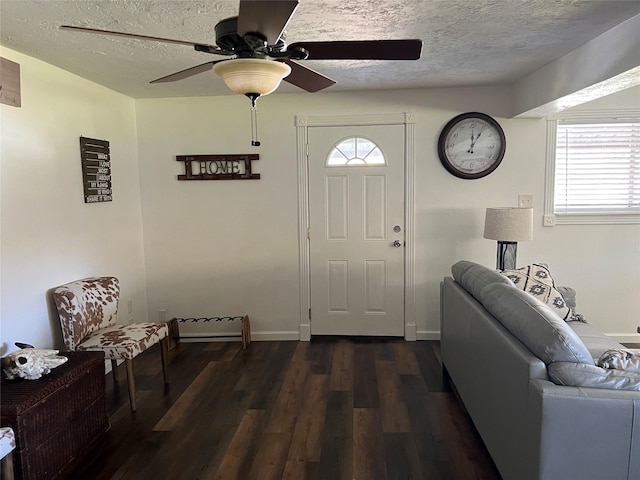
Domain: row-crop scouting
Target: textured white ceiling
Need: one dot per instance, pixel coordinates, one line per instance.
(466, 43)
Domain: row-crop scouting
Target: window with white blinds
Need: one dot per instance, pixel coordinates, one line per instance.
(597, 168)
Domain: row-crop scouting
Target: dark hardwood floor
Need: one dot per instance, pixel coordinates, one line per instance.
(354, 409)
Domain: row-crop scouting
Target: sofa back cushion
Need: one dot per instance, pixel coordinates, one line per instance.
(474, 277)
(535, 324)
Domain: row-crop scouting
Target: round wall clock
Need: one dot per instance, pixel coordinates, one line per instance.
(471, 145)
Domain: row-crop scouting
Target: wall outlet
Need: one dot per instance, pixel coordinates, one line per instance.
(130, 306)
(548, 221)
(525, 200)
(162, 316)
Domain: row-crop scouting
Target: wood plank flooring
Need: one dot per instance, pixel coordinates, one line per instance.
(330, 409)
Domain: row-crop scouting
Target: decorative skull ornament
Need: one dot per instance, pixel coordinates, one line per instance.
(31, 363)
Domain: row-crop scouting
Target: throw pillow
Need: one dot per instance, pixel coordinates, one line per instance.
(536, 280)
(621, 359)
(569, 295)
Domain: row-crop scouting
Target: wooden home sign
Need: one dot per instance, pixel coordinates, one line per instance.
(218, 167)
(96, 170)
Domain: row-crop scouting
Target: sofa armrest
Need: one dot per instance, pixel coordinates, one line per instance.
(584, 433)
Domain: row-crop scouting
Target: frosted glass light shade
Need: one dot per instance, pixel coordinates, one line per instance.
(252, 75)
(509, 224)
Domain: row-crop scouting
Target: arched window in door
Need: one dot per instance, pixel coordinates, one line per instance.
(355, 151)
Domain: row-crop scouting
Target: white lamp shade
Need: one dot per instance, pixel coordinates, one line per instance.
(252, 75)
(509, 224)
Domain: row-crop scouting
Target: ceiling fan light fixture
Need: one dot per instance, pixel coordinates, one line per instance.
(252, 75)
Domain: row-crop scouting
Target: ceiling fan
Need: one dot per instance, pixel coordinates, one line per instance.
(260, 58)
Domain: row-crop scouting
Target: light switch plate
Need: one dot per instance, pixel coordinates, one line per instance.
(525, 200)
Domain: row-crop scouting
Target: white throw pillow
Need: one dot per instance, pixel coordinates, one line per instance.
(620, 359)
(536, 280)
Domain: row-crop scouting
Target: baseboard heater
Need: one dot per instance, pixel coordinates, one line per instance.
(214, 327)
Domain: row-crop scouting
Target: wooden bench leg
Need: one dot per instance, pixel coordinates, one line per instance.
(131, 382)
(245, 331)
(164, 348)
(7, 466)
(114, 370)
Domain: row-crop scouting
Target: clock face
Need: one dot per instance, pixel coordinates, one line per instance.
(471, 145)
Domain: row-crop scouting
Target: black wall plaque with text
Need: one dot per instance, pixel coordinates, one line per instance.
(96, 170)
(10, 83)
(218, 167)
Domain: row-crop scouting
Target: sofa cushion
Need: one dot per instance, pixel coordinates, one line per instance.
(473, 277)
(535, 324)
(584, 375)
(596, 342)
(536, 280)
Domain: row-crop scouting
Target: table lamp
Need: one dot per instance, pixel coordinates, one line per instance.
(508, 225)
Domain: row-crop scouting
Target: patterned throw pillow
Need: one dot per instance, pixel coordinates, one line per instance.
(536, 280)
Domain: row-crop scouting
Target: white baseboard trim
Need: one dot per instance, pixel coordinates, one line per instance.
(419, 335)
(618, 337)
(274, 336)
(625, 337)
(255, 337)
(428, 335)
(305, 332)
(410, 332)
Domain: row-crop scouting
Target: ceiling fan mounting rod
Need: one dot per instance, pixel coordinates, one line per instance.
(254, 119)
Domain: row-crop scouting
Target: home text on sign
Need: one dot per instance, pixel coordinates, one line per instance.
(218, 167)
(96, 170)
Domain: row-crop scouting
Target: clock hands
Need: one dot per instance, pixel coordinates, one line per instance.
(474, 140)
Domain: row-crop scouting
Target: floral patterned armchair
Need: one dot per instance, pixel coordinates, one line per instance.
(88, 311)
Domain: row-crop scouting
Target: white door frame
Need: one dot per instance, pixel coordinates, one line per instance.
(302, 123)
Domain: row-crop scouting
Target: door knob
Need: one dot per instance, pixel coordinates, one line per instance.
(397, 244)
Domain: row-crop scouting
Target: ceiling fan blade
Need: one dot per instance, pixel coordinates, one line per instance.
(305, 78)
(186, 73)
(268, 17)
(209, 48)
(363, 50)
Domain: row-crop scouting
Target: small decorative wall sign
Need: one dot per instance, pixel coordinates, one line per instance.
(10, 83)
(96, 170)
(218, 167)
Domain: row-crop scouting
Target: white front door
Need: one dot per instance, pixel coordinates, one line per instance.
(356, 218)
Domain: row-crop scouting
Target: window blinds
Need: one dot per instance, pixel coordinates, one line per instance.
(597, 168)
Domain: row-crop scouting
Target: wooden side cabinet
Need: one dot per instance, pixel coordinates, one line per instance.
(57, 418)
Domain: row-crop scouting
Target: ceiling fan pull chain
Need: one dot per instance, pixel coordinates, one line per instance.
(254, 119)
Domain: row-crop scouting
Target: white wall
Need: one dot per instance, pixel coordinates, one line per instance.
(225, 248)
(49, 235)
(229, 247)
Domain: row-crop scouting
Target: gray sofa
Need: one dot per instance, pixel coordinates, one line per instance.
(501, 348)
